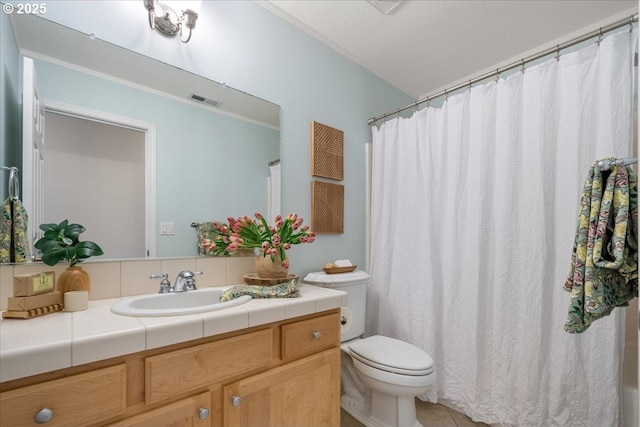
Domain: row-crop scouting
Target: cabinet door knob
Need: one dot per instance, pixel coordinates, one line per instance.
(203, 413)
(316, 335)
(43, 416)
(236, 400)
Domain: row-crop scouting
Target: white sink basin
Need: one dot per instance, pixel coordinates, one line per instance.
(174, 304)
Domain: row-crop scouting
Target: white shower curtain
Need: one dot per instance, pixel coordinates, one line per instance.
(473, 218)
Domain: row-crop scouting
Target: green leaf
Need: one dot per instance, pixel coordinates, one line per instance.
(53, 255)
(87, 249)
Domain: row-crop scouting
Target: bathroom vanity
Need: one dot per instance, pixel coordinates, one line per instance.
(264, 363)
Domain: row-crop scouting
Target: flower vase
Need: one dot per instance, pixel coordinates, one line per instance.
(74, 279)
(268, 269)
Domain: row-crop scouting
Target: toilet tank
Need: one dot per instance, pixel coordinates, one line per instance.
(355, 285)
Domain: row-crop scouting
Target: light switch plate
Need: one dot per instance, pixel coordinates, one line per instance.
(167, 228)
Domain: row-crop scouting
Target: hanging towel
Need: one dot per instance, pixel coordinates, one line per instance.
(604, 264)
(14, 243)
(283, 290)
(205, 232)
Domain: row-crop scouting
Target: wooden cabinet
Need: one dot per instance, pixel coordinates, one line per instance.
(298, 394)
(281, 374)
(190, 412)
(169, 374)
(78, 400)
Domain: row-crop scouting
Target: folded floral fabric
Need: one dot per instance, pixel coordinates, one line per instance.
(604, 264)
(283, 290)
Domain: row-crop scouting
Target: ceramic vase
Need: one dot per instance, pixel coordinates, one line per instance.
(74, 279)
(268, 269)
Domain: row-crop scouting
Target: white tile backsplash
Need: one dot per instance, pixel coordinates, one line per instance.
(114, 279)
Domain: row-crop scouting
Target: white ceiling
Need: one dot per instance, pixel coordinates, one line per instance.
(422, 47)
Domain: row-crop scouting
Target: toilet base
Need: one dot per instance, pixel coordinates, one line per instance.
(385, 411)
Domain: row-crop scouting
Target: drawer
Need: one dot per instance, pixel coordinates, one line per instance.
(310, 336)
(180, 371)
(78, 400)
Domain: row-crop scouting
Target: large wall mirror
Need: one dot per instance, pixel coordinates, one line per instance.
(138, 147)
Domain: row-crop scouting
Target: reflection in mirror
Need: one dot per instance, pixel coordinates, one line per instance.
(150, 138)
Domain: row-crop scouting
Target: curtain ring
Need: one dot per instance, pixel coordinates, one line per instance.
(522, 65)
(14, 183)
(446, 95)
(599, 36)
(557, 52)
(497, 75)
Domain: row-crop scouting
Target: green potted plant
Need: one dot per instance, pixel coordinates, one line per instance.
(62, 242)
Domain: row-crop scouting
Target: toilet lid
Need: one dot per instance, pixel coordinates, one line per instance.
(392, 355)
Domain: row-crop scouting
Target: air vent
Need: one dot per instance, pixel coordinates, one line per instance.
(204, 100)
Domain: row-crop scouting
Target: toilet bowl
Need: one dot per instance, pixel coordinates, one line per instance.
(391, 373)
(380, 376)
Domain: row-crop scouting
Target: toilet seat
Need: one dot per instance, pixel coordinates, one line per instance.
(391, 355)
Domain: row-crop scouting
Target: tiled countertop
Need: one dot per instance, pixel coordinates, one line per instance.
(61, 340)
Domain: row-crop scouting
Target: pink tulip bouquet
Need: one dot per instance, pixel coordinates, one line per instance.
(247, 233)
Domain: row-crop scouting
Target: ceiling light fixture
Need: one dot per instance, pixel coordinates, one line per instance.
(173, 17)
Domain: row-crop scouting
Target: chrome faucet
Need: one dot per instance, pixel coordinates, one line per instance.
(165, 285)
(185, 281)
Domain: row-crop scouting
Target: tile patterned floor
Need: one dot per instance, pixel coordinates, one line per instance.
(428, 414)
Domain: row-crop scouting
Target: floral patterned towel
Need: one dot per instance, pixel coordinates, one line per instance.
(14, 243)
(604, 263)
(283, 290)
(205, 232)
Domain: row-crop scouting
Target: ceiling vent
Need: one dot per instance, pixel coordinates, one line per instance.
(204, 100)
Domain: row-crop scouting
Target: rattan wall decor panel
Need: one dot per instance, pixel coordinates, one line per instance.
(327, 151)
(327, 207)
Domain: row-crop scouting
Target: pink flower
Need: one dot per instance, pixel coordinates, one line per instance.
(258, 215)
(286, 246)
(285, 263)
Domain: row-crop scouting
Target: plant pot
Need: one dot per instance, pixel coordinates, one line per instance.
(270, 269)
(74, 279)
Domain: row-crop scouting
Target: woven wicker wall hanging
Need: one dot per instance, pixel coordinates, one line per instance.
(327, 151)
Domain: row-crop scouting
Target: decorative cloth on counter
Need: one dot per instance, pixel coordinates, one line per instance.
(14, 243)
(604, 264)
(283, 290)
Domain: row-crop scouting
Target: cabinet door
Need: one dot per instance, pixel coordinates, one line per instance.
(78, 400)
(190, 412)
(302, 393)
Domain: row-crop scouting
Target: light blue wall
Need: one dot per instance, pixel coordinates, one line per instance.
(197, 178)
(251, 49)
(10, 104)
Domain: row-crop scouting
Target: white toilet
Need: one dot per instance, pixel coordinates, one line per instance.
(380, 376)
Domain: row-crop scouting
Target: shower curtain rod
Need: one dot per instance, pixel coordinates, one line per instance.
(521, 63)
